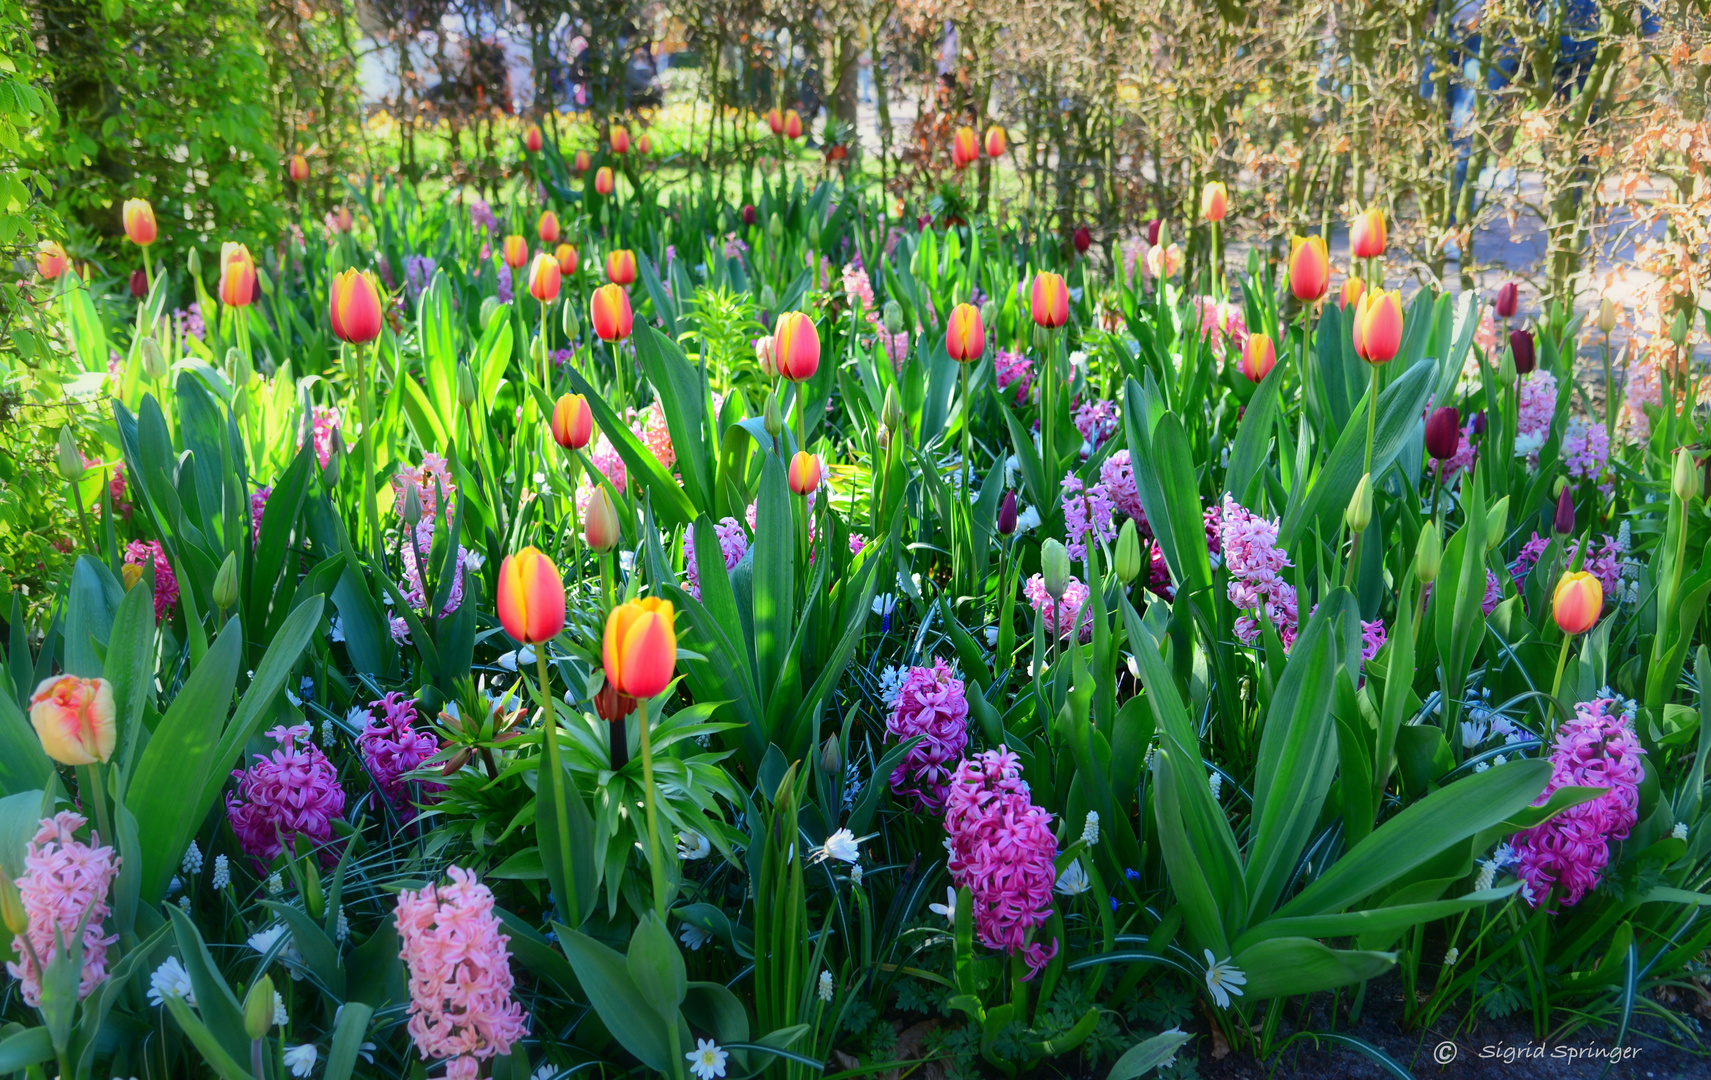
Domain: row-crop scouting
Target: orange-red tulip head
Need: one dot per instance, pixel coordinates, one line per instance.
(1367, 234)
(1050, 300)
(639, 650)
(532, 139)
(965, 336)
(1214, 201)
(583, 161)
(644, 144)
(566, 256)
(792, 124)
(299, 168)
(353, 307)
(603, 180)
(1577, 602)
(140, 226)
(573, 422)
(1377, 329)
(775, 121)
(796, 346)
(621, 266)
(516, 252)
(1352, 289)
(75, 719)
(548, 228)
(1309, 268)
(965, 151)
(237, 275)
(531, 597)
(609, 311)
(51, 260)
(995, 141)
(620, 141)
(805, 472)
(1259, 356)
(544, 278)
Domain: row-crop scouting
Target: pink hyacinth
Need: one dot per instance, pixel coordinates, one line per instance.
(1585, 449)
(1086, 512)
(392, 747)
(611, 465)
(733, 545)
(932, 704)
(64, 879)
(1536, 408)
(1256, 564)
(432, 480)
(1014, 369)
(1596, 748)
(1644, 386)
(649, 426)
(415, 556)
(460, 974)
(116, 492)
(1493, 592)
(1118, 476)
(295, 791)
(1002, 849)
(1070, 615)
(138, 553)
(858, 288)
(1096, 420)
(324, 423)
(258, 505)
(1223, 323)
(1372, 638)
(1158, 572)
(857, 542)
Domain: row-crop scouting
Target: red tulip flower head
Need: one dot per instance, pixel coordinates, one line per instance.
(516, 252)
(609, 311)
(237, 275)
(50, 260)
(621, 266)
(1309, 268)
(548, 227)
(644, 144)
(531, 597)
(620, 140)
(1577, 602)
(299, 168)
(1367, 234)
(1508, 299)
(796, 344)
(1214, 201)
(994, 141)
(964, 149)
(566, 255)
(1377, 327)
(603, 180)
(583, 162)
(805, 472)
(140, 227)
(1443, 433)
(965, 337)
(1050, 300)
(573, 422)
(792, 124)
(639, 651)
(1259, 356)
(1352, 288)
(353, 307)
(1083, 239)
(532, 138)
(544, 278)
(775, 121)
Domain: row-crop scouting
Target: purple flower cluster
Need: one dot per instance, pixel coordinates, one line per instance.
(1585, 449)
(418, 271)
(1086, 512)
(1096, 420)
(258, 506)
(1118, 476)
(189, 321)
(1014, 369)
(733, 545)
(1604, 562)
(1596, 748)
(1536, 408)
(1002, 849)
(932, 704)
(1256, 564)
(481, 216)
(504, 290)
(138, 553)
(295, 791)
(392, 747)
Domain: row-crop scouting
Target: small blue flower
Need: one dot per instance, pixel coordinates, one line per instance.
(1113, 903)
(1132, 874)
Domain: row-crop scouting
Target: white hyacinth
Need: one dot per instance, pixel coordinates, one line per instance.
(222, 873)
(1090, 830)
(192, 864)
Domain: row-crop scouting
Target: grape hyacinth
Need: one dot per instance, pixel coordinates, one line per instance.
(293, 792)
(138, 553)
(392, 747)
(931, 703)
(1002, 849)
(733, 545)
(63, 881)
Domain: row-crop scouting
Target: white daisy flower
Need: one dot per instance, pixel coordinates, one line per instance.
(170, 980)
(1223, 978)
(706, 1061)
(1073, 881)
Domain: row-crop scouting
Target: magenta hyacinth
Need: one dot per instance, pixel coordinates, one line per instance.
(1070, 615)
(460, 974)
(258, 506)
(295, 791)
(64, 879)
(733, 545)
(138, 553)
(931, 703)
(392, 747)
(1013, 369)
(1097, 421)
(324, 424)
(1002, 848)
(1596, 748)
(1086, 512)
(1118, 476)
(1256, 564)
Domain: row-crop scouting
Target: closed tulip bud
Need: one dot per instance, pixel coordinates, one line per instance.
(258, 1009)
(566, 256)
(226, 581)
(532, 139)
(1214, 201)
(775, 226)
(68, 459)
(1352, 289)
(1007, 514)
(353, 307)
(609, 311)
(263, 281)
(797, 344)
(995, 141)
(411, 510)
(1508, 298)
(1156, 231)
(601, 528)
(489, 308)
(465, 385)
(1606, 315)
(620, 139)
(644, 144)
(571, 323)
(1496, 522)
(1577, 602)
(773, 416)
(1521, 348)
(1049, 301)
(965, 336)
(805, 472)
(544, 278)
(238, 368)
(1506, 373)
(154, 361)
(891, 412)
(832, 758)
(299, 168)
(1128, 552)
(814, 231)
(603, 180)
(1563, 521)
(573, 422)
(767, 356)
(1309, 268)
(1367, 234)
(530, 598)
(621, 266)
(1054, 568)
(583, 162)
(547, 229)
(1678, 329)
(1429, 554)
(792, 124)
(130, 574)
(893, 317)
(516, 252)
(1377, 329)
(237, 275)
(1684, 479)
(139, 284)
(139, 221)
(1443, 433)
(1082, 238)
(988, 313)
(1259, 356)
(75, 719)
(1358, 515)
(639, 648)
(767, 298)
(748, 214)
(193, 262)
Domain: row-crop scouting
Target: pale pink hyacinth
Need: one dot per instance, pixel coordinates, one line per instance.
(1070, 615)
(415, 556)
(1002, 849)
(1096, 420)
(1595, 748)
(138, 553)
(1537, 407)
(1644, 386)
(258, 506)
(933, 704)
(1485, 336)
(1086, 512)
(1493, 593)
(605, 458)
(293, 792)
(324, 422)
(1585, 449)
(1013, 369)
(649, 426)
(1223, 323)
(1256, 563)
(858, 287)
(1118, 475)
(460, 974)
(392, 747)
(432, 479)
(1134, 251)
(733, 545)
(64, 879)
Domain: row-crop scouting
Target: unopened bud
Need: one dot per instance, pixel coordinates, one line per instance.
(1496, 522)
(989, 314)
(775, 226)
(465, 386)
(1007, 514)
(263, 282)
(226, 582)
(314, 896)
(411, 511)
(193, 263)
(893, 317)
(258, 1009)
(12, 911)
(1606, 315)
(1506, 374)
(571, 322)
(69, 459)
(130, 574)
(1429, 554)
(832, 757)
(814, 230)
(1685, 480)
(768, 298)
(1128, 552)
(601, 528)
(1359, 513)
(1562, 523)
(154, 361)
(1054, 568)
(773, 417)
(1678, 329)
(238, 368)
(891, 413)
(488, 307)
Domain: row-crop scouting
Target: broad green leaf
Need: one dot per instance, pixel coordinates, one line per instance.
(1286, 966)
(1150, 1054)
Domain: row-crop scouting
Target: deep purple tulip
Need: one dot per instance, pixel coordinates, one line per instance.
(139, 284)
(1564, 520)
(1521, 345)
(1153, 228)
(1443, 432)
(1007, 514)
(748, 214)
(1508, 295)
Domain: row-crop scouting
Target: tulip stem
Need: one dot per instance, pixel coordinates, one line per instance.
(98, 795)
(1562, 661)
(1371, 420)
(148, 276)
(656, 867)
(967, 478)
(570, 906)
(370, 507)
(82, 514)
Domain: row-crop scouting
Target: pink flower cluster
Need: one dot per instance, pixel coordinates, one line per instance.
(1604, 563)
(295, 791)
(932, 704)
(258, 505)
(392, 747)
(431, 479)
(460, 974)
(1596, 748)
(1256, 564)
(1222, 322)
(64, 879)
(896, 345)
(1014, 369)
(1002, 849)
(650, 427)
(1644, 387)
(1086, 512)
(138, 553)
(733, 545)
(1585, 449)
(1069, 615)
(1118, 476)
(415, 555)
(603, 456)
(116, 492)
(858, 287)
(324, 423)
(1536, 409)
(1372, 638)
(1096, 420)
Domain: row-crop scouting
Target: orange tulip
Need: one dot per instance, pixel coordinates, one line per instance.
(965, 336)
(621, 266)
(1309, 268)
(805, 472)
(775, 121)
(299, 168)
(573, 422)
(1377, 330)
(603, 180)
(609, 311)
(50, 259)
(964, 149)
(1352, 288)
(75, 719)
(1050, 300)
(620, 139)
(796, 344)
(994, 141)
(516, 252)
(139, 222)
(644, 144)
(531, 597)
(566, 255)
(544, 275)
(600, 525)
(532, 138)
(639, 652)
(1367, 234)
(353, 307)
(1577, 602)
(583, 161)
(1214, 201)
(1259, 356)
(792, 124)
(237, 275)
(548, 227)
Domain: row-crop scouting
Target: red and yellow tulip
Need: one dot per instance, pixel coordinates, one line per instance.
(140, 226)
(237, 275)
(530, 597)
(609, 311)
(75, 719)
(1377, 330)
(573, 422)
(621, 266)
(544, 277)
(353, 307)
(965, 336)
(1050, 300)
(796, 345)
(639, 652)
(1309, 268)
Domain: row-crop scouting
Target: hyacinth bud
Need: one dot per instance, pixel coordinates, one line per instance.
(1606, 315)
(775, 226)
(1128, 552)
(258, 1009)
(465, 385)
(1054, 568)
(1684, 481)
(154, 361)
(1429, 554)
(226, 581)
(1496, 522)
(68, 459)
(768, 298)
(412, 508)
(989, 314)
(1007, 514)
(1508, 297)
(1443, 433)
(1359, 513)
(1563, 521)
(893, 317)
(773, 416)
(571, 322)
(832, 756)
(193, 263)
